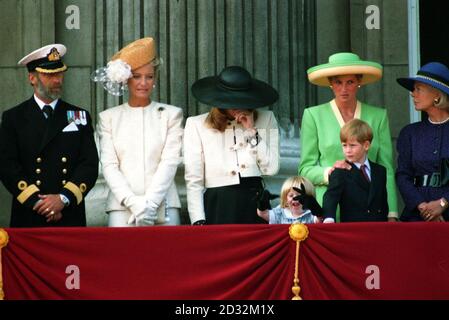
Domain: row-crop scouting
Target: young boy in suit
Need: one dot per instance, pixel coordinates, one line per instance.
(361, 192)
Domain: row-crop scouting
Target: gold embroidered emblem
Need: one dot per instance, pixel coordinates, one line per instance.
(53, 55)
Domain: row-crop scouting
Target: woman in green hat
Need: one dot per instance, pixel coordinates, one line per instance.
(321, 150)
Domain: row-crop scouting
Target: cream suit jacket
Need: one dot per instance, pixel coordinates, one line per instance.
(140, 150)
(215, 159)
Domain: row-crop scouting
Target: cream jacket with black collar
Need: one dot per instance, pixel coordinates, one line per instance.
(215, 159)
(140, 150)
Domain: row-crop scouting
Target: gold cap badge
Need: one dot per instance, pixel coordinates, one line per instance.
(54, 55)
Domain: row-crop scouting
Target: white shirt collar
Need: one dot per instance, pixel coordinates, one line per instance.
(41, 103)
(366, 163)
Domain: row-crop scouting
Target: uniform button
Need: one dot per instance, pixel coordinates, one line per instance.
(241, 144)
(63, 182)
(39, 160)
(64, 171)
(38, 170)
(233, 172)
(435, 152)
(369, 211)
(64, 159)
(254, 152)
(38, 182)
(243, 166)
(229, 123)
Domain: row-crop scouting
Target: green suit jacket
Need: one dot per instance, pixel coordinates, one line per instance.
(321, 146)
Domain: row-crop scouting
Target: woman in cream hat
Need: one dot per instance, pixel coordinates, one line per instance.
(140, 141)
(228, 149)
(321, 150)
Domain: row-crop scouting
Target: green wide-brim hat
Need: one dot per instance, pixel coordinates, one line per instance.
(345, 63)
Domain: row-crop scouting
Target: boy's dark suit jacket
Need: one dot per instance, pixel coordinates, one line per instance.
(359, 200)
(38, 157)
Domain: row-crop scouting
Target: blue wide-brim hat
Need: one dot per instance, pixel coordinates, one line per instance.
(434, 74)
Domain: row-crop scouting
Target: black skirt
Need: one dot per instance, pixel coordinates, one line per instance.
(233, 204)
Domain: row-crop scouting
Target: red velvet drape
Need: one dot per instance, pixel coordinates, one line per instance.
(229, 262)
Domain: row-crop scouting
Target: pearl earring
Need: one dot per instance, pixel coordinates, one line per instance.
(436, 100)
(359, 86)
(331, 87)
(154, 86)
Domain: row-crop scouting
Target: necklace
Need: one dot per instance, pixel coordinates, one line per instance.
(438, 122)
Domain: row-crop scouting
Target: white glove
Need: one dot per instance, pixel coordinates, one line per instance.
(137, 206)
(149, 216)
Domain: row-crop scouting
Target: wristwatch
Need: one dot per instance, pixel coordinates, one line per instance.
(443, 203)
(64, 200)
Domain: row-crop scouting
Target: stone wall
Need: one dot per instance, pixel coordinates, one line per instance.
(276, 40)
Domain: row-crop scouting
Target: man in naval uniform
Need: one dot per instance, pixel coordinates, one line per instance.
(48, 157)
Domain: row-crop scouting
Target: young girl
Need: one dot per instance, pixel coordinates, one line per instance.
(293, 208)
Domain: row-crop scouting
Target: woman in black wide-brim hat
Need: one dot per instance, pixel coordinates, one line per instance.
(423, 147)
(228, 149)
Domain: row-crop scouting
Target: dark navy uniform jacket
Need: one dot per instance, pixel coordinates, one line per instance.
(47, 156)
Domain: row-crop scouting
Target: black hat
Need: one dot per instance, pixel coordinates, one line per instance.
(46, 59)
(234, 88)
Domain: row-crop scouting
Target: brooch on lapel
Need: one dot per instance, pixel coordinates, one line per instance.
(160, 109)
(79, 117)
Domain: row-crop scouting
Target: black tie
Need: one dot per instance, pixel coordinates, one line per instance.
(48, 110)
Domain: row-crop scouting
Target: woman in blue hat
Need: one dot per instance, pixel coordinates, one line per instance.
(423, 147)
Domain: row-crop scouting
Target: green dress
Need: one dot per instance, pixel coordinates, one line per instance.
(321, 146)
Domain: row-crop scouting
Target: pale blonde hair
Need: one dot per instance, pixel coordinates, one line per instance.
(442, 101)
(295, 181)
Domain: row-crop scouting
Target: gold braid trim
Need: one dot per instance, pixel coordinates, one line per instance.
(298, 232)
(73, 188)
(3, 242)
(39, 69)
(26, 193)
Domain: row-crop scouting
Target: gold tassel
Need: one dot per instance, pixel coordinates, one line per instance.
(3, 242)
(298, 232)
